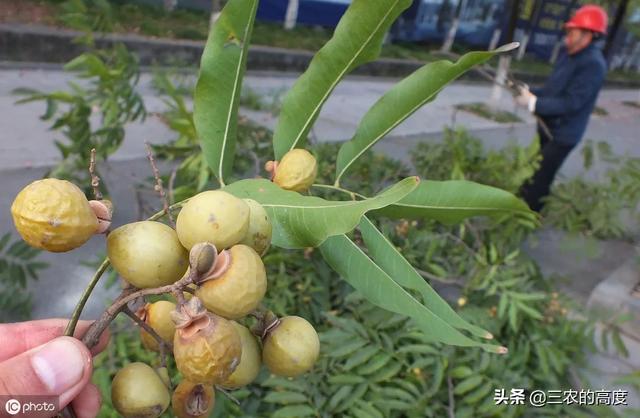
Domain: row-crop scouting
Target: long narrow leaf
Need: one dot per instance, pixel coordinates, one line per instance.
(454, 200)
(218, 88)
(403, 100)
(306, 221)
(398, 268)
(370, 280)
(356, 40)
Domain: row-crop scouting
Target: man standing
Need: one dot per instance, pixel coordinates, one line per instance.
(567, 99)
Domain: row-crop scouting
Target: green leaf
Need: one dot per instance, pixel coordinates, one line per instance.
(467, 385)
(461, 372)
(285, 397)
(357, 40)
(385, 254)
(376, 363)
(360, 357)
(386, 373)
(369, 410)
(454, 200)
(373, 283)
(306, 221)
(4, 240)
(348, 348)
(294, 411)
(403, 100)
(339, 396)
(219, 84)
(345, 379)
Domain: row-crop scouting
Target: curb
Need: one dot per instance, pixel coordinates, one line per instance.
(20, 44)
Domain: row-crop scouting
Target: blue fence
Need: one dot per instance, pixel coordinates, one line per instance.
(310, 12)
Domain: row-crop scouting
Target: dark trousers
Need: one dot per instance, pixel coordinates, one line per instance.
(538, 187)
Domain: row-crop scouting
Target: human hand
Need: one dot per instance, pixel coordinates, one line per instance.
(526, 98)
(36, 360)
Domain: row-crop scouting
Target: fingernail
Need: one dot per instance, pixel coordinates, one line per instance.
(59, 365)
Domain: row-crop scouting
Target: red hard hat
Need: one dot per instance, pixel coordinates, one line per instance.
(590, 17)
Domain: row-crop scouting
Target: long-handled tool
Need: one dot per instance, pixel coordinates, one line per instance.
(514, 86)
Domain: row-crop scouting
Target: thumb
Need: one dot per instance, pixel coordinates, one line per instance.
(61, 367)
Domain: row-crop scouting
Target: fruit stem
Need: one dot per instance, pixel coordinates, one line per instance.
(71, 326)
(96, 329)
(162, 344)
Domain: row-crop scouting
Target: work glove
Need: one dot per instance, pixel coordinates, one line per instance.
(525, 98)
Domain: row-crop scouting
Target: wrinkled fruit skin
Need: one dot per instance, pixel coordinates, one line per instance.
(250, 362)
(296, 171)
(240, 289)
(292, 348)
(53, 215)
(147, 254)
(213, 216)
(138, 392)
(189, 403)
(158, 317)
(211, 353)
(259, 233)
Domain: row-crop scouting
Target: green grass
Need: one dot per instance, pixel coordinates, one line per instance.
(485, 111)
(631, 104)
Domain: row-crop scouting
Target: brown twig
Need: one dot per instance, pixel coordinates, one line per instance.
(95, 180)
(158, 187)
(177, 293)
(164, 346)
(96, 329)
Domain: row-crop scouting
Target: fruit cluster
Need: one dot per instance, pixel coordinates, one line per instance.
(212, 264)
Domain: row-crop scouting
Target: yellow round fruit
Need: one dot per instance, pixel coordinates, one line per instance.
(138, 391)
(213, 216)
(208, 350)
(158, 316)
(53, 215)
(291, 348)
(193, 400)
(240, 289)
(250, 362)
(147, 254)
(259, 233)
(296, 171)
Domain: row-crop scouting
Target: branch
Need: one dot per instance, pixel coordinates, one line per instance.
(96, 329)
(158, 187)
(164, 346)
(95, 180)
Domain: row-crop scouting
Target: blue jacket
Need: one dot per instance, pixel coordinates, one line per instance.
(567, 99)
